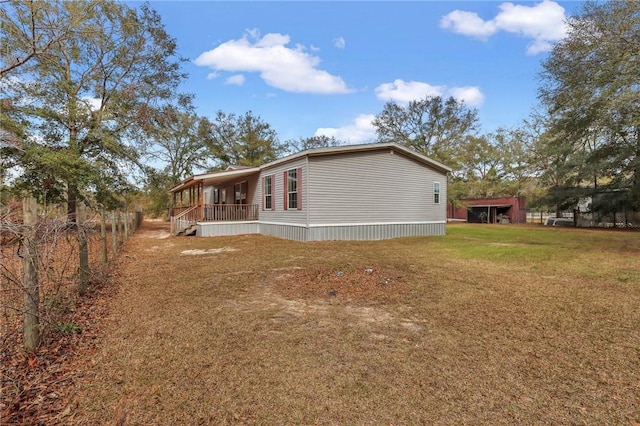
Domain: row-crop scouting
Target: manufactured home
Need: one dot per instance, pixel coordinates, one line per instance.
(354, 192)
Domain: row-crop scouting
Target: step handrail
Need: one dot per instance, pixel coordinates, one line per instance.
(179, 223)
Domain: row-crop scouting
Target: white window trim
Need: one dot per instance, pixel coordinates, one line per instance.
(270, 194)
(292, 192)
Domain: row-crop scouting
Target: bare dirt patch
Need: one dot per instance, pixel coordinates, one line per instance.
(350, 283)
(200, 252)
(158, 235)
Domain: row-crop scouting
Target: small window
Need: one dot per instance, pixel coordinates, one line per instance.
(436, 192)
(292, 189)
(216, 196)
(268, 192)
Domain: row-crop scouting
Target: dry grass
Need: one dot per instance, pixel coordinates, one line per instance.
(487, 325)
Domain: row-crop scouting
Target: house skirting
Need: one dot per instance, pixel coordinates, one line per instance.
(379, 231)
(221, 229)
(323, 232)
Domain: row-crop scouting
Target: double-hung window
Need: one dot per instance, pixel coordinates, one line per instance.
(436, 192)
(292, 189)
(267, 189)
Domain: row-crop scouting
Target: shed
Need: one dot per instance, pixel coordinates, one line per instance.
(489, 210)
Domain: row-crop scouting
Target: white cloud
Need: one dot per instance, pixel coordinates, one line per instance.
(406, 91)
(470, 95)
(253, 32)
(93, 104)
(339, 43)
(282, 67)
(543, 22)
(468, 23)
(212, 75)
(359, 131)
(236, 80)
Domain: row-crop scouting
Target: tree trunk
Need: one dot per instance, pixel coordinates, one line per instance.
(114, 234)
(103, 235)
(31, 325)
(72, 197)
(83, 249)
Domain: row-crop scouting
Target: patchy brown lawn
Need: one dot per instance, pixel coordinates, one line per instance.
(488, 325)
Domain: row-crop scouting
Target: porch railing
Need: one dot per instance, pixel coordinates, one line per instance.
(230, 212)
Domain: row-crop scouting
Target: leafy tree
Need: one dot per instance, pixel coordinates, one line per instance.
(34, 30)
(156, 191)
(321, 141)
(481, 167)
(492, 165)
(178, 139)
(591, 94)
(512, 148)
(84, 94)
(433, 126)
(243, 140)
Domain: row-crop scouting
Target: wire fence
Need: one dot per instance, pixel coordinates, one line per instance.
(624, 219)
(56, 257)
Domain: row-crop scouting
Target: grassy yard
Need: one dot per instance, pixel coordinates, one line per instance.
(487, 325)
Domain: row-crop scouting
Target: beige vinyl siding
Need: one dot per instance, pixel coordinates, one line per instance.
(208, 194)
(373, 187)
(253, 190)
(279, 214)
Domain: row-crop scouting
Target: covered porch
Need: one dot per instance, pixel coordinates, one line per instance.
(220, 197)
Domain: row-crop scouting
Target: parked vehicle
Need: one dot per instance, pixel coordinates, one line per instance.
(559, 221)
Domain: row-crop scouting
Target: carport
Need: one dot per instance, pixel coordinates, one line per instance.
(491, 213)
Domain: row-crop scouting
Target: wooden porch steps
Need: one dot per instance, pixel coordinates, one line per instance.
(189, 230)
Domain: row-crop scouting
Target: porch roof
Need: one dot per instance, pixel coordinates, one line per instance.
(214, 178)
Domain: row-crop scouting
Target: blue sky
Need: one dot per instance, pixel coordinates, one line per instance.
(310, 68)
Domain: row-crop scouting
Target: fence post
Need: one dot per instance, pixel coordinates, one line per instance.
(103, 235)
(83, 247)
(120, 241)
(126, 223)
(31, 324)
